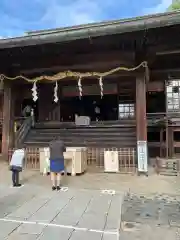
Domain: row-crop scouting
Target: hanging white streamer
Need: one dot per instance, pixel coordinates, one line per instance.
(80, 87)
(101, 86)
(34, 92)
(56, 93)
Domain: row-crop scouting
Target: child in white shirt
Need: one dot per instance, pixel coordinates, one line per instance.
(16, 165)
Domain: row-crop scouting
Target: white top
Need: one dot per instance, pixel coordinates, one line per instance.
(17, 158)
(97, 110)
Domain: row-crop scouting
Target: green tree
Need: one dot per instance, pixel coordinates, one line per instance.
(175, 5)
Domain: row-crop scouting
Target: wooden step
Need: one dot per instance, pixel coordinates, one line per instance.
(82, 144)
(80, 138)
(51, 124)
(80, 130)
(41, 135)
(84, 134)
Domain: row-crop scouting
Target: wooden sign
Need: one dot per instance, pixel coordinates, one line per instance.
(142, 156)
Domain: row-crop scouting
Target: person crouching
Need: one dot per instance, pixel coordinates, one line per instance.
(57, 149)
(16, 165)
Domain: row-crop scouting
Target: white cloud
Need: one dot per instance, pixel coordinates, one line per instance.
(17, 18)
(159, 8)
(52, 14)
(77, 12)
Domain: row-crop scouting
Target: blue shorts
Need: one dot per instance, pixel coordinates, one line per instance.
(57, 165)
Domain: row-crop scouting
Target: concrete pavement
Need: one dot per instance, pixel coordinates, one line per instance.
(150, 209)
(33, 212)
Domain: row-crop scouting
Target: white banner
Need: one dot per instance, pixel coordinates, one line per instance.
(142, 156)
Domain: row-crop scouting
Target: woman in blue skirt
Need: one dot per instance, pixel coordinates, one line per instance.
(57, 149)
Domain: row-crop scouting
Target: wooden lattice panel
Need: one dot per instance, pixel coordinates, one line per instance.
(169, 167)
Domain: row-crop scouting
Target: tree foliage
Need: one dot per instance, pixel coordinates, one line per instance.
(175, 5)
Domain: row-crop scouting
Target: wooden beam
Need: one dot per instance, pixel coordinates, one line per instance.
(164, 74)
(168, 52)
(44, 60)
(155, 86)
(167, 70)
(162, 47)
(65, 57)
(94, 66)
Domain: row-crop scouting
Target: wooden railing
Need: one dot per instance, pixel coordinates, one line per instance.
(95, 158)
(23, 130)
(31, 160)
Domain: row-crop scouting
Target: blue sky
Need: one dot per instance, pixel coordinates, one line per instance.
(19, 16)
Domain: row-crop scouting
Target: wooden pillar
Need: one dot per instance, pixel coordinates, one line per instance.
(170, 141)
(46, 98)
(7, 128)
(141, 123)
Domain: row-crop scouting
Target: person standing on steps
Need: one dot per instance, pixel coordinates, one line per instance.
(57, 149)
(27, 111)
(97, 112)
(16, 165)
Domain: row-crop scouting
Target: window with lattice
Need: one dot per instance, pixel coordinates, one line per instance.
(173, 96)
(126, 110)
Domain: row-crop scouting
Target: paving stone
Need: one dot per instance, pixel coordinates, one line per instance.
(12, 202)
(114, 214)
(35, 229)
(6, 228)
(67, 219)
(112, 224)
(29, 208)
(87, 209)
(92, 221)
(99, 204)
(6, 191)
(17, 236)
(77, 205)
(49, 211)
(96, 215)
(71, 214)
(55, 233)
(110, 237)
(46, 214)
(77, 235)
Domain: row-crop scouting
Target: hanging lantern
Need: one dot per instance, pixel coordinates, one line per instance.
(101, 86)
(34, 92)
(56, 93)
(80, 87)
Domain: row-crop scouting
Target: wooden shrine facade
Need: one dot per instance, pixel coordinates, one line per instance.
(142, 91)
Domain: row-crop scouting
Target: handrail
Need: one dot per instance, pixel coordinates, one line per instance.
(23, 130)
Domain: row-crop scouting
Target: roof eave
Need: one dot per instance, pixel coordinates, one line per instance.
(94, 30)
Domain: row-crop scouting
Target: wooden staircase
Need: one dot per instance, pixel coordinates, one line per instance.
(120, 135)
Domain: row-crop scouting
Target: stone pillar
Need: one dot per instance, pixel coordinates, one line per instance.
(141, 123)
(7, 127)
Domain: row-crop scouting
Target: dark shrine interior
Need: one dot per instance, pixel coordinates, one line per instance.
(108, 107)
(155, 102)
